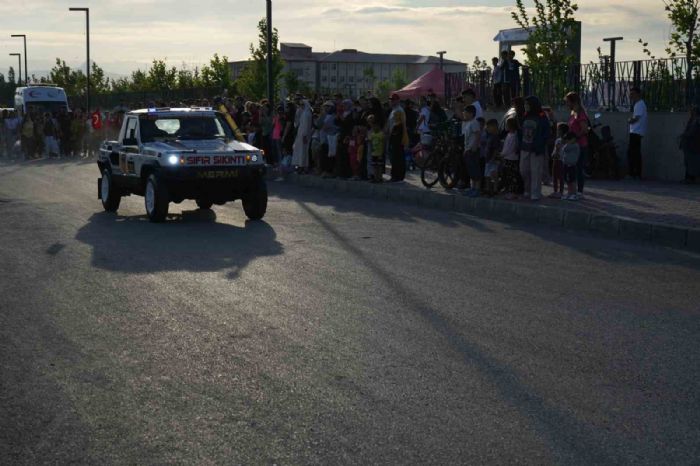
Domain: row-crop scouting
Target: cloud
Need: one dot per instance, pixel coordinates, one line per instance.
(126, 32)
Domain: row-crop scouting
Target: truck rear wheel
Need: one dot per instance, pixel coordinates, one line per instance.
(156, 199)
(255, 201)
(109, 193)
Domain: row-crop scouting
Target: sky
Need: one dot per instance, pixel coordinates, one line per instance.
(129, 34)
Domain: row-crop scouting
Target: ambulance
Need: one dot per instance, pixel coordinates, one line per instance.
(40, 97)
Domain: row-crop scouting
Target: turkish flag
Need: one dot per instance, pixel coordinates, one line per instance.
(97, 120)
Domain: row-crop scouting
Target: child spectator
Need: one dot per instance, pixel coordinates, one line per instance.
(511, 159)
(491, 157)
(472, 142)
(570, 153)
(557, 164)
(376, 144)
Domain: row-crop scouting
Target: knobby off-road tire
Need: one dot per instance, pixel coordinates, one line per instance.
(111, 197)
(255, 201)
(156, 199)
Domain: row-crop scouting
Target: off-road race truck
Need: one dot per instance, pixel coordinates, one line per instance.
(169, 155)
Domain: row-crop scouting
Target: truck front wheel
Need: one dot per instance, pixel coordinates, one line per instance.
(109, 193)
(255, 201)
(156, 199)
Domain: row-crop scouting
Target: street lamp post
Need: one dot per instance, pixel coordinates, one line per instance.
(87, 35)
(270, 84)
(26, 68)
(19, 63)
(612, 84)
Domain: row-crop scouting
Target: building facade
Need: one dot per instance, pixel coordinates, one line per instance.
(350, 71)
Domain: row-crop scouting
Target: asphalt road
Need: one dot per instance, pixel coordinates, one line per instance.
(338, 331)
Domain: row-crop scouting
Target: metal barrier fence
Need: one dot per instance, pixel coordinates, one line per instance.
(600, 85)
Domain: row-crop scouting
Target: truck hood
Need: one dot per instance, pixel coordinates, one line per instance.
(207, 145)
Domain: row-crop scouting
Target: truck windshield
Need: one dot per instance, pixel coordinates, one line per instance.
(185, 127)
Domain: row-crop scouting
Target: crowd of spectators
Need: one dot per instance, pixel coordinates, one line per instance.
(358, 138)
(39, 133)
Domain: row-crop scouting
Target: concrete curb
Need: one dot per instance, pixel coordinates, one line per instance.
(498, 209)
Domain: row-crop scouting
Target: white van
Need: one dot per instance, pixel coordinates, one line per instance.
(42, 98)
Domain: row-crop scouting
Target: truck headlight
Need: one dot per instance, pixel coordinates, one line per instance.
(254, 158)
(173, 159)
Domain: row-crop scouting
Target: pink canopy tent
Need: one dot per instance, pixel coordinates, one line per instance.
(433, 80)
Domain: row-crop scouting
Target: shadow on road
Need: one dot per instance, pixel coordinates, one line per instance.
(191, 241)
(387, 210)
(572, 440)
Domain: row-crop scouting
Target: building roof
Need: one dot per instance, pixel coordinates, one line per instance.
(295, 45)
(354, 56)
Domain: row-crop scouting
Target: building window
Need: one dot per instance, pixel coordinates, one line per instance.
(324, 66)
(334, 67)
(332, 79)
(351, 79)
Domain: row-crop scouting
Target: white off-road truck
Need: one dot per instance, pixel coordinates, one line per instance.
(169, 155)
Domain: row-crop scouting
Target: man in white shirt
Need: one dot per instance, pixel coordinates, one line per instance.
(469, 97)
(638, 129)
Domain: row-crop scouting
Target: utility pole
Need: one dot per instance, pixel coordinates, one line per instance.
(87, 34)
(270, 84)
(19, 63)
(613, 78)
(26, 68)
(442, 60)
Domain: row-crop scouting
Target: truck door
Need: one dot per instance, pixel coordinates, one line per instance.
(130, 147)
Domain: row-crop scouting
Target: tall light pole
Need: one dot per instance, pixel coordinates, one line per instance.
(26, 68)
(270, 84)
(87, 35)
(613, 78)
(19, 62)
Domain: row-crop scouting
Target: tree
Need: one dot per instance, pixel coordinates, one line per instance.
(99, 84)
(684, 36)
(7, 89)
(11, 75)
(121, 85)
(291, 82)
(139, 81)
(217, 73)
(551, 27)
(160, 77)
(188, 79)
(73, 81)
(253, 79)
(398, 79)
(480, 65)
